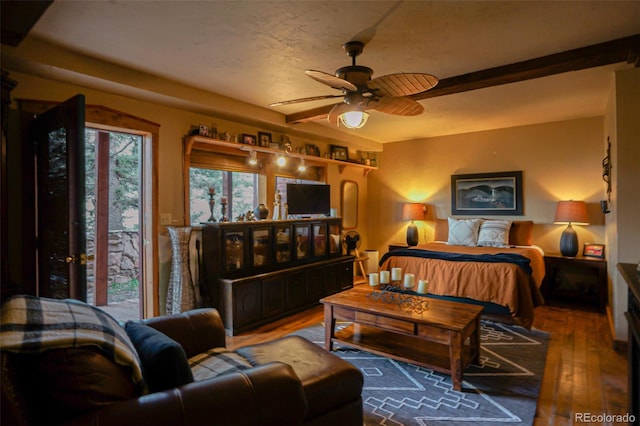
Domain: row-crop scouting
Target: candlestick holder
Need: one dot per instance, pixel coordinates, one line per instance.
(223, 208)
(212, 203)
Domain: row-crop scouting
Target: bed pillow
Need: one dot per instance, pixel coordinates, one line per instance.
(521, 233)
(442, 230)
(494, 233)
(463, 232)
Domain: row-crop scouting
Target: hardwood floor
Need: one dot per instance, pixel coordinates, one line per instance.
(583, 373)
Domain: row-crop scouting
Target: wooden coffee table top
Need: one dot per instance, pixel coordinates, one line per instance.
(449, 315)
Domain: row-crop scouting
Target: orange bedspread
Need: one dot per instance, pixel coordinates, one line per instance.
(504, 284)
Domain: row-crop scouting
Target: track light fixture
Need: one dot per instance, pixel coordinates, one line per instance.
(253, 158)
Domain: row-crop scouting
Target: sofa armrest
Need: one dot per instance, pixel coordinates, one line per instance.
(269, 394)
(196, 331)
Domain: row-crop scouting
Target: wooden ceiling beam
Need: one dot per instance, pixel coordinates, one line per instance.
(309, 114)
(18, 17)
(611, 52)
(625, 49)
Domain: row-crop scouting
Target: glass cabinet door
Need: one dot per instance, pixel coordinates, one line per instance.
(334, 238)
(234, 250)
(261, 247)
(320, 239)
(302, 241)
(283, 244)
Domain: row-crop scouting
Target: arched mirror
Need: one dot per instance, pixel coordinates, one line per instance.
(349, 204)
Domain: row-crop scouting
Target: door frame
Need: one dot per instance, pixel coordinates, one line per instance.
(101, 117)
(149, 297)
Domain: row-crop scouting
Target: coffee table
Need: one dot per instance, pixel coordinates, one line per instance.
(445, 337)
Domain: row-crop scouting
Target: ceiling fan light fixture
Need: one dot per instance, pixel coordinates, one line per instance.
(354, 119)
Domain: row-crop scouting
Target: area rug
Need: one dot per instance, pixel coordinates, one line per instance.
(504, 388)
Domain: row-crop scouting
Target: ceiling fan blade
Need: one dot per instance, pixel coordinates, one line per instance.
(310, 98)
(396, 105)
(334, 114)
(331, 80)
(403, 84)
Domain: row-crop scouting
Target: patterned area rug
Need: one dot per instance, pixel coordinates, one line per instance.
(503, 389)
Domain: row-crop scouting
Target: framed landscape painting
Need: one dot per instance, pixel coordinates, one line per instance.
(487, 193)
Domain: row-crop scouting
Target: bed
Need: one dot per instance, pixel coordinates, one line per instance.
(502, 272)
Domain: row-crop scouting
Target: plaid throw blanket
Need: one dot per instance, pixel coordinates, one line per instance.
(35, 324)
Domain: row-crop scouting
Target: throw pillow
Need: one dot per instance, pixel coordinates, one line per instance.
(442, 230)
(463, 232)
(521, 233)
(164, 361)
(494, 233)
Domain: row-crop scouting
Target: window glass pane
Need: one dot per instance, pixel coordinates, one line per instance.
(245, 193)
(241, 190)
(200, 180)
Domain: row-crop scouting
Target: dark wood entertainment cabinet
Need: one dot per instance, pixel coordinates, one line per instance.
(256, 272)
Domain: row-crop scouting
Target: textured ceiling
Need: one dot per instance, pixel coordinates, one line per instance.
(257, 51)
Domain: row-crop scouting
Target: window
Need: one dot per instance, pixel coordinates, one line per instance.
(240, 189)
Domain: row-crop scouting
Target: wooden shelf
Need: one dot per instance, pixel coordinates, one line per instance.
(210, 144)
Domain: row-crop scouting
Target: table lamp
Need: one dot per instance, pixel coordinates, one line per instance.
(413, 211)
(570, 212)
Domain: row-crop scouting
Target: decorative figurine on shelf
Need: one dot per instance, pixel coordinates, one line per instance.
(276, 206)
(240, 218)
(223, 204)
(285, 211)
(212, 202)
(249, 216)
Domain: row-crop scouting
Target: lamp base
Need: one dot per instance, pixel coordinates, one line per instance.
(412, 235)
(569, 242)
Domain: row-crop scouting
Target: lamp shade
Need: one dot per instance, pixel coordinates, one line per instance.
(572, 212)
(413, 211)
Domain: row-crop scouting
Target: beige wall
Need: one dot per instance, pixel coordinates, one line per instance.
(623, 225)
(559, 161)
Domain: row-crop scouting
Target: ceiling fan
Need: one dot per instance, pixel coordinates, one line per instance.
(360, 92)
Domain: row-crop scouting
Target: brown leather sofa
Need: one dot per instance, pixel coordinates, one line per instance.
(290, 381)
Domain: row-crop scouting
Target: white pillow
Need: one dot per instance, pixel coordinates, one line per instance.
(463, 232)
(494, 233)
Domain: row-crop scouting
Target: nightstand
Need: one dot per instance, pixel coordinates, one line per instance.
(396, 246)
(561, 270)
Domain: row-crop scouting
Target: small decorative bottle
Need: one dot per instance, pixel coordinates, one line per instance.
(261, 212)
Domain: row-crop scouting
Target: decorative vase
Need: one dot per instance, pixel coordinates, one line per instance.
(181, 295)
(262, 212)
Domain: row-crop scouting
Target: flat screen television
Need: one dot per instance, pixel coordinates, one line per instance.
(308, 199)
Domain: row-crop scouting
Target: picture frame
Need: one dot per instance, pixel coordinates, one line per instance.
(339, 152)
(248, 139)
(593, 250)
(312, 149)
(498, 193)
(264, 139)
